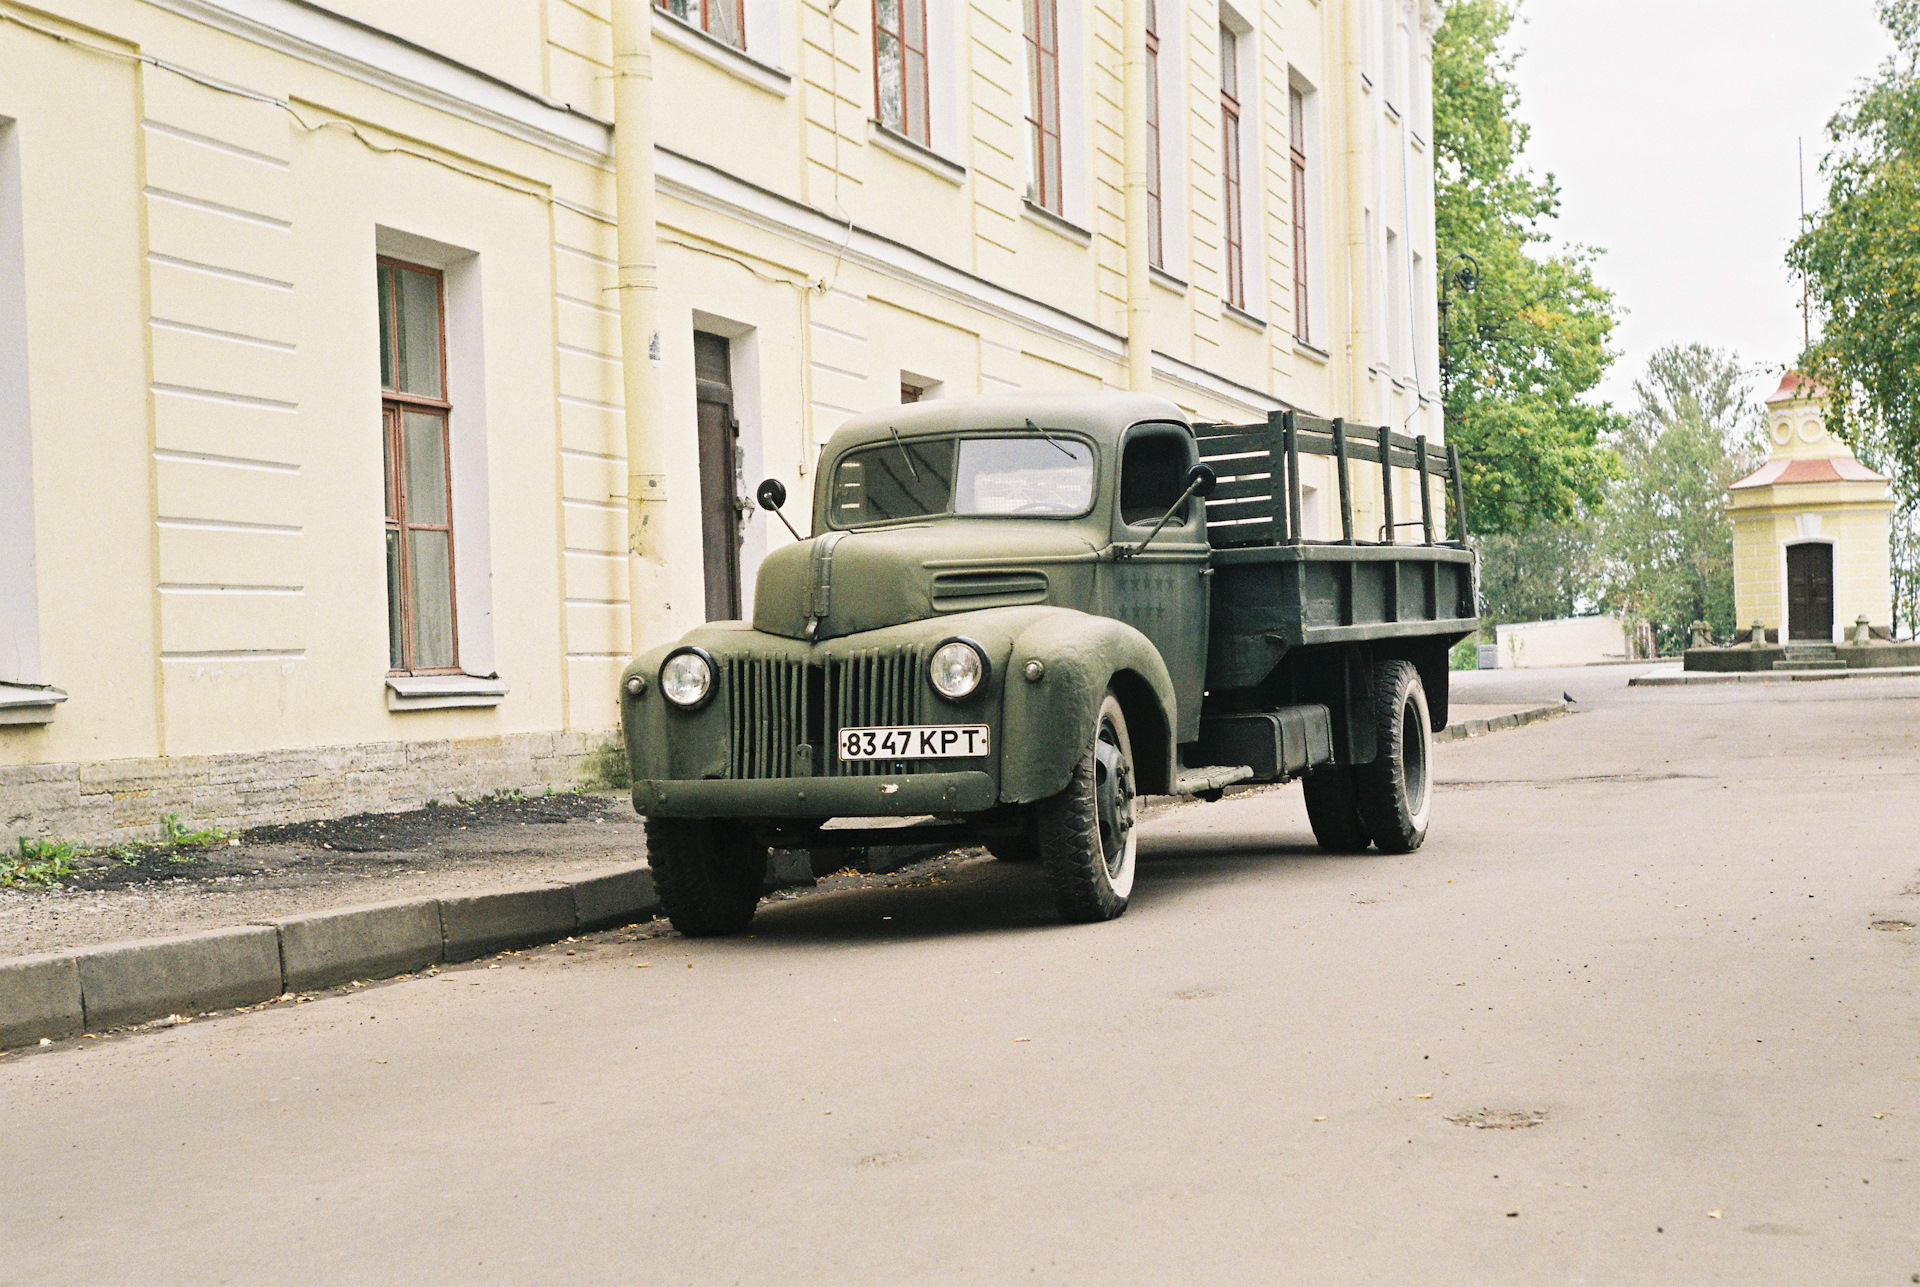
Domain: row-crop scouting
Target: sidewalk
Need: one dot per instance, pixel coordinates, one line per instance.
(289, 909)
(1673, 676)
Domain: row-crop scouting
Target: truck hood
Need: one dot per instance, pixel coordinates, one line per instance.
(841, 583)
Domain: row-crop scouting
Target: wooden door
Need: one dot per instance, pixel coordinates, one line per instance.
(720, 505)
(1810, 591)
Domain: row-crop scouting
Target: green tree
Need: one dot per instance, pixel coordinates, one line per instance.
(1530, 342)
(1665, 541)
(1548, 572)
(1861, 261)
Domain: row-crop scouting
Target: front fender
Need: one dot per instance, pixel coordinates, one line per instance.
(1047, 722)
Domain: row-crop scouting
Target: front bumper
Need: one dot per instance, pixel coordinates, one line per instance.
(906, 795)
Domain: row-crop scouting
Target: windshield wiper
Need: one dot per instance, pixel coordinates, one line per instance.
(907, 455)
(1057, 444)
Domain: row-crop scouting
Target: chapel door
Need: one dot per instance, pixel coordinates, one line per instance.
(1810, 591)
(720, 505)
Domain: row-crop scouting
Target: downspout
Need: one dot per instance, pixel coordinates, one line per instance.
(1359, 288)
(639, 287)
(1139, 281)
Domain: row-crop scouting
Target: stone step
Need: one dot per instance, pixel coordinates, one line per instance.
(1790, 662)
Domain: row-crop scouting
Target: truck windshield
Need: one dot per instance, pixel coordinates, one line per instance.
(996, 476)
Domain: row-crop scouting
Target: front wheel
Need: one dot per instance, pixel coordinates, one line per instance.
(1395, 792)
(1088, 846)
(708, 872)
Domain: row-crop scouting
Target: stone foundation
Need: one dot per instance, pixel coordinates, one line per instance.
(1742, 657)
(109, 801)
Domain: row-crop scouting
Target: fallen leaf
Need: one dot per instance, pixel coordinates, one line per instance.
(1427, 1095)
(1023, 1038)
(1319, 1119)
(1878, 1116)
(1713, 1215)
(379, 1061)
(643, 965)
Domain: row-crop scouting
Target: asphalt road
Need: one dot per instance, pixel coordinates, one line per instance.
(1638, 959)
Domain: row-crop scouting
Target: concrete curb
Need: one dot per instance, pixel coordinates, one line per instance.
(1768, 676)
(1512, 719)
(62, 994)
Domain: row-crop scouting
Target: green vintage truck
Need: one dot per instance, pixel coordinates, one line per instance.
(1020, 615)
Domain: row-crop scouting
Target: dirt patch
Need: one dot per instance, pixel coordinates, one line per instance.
(366, 843)
(1500, 1119)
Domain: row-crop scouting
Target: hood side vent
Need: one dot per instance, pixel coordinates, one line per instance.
(967, 591)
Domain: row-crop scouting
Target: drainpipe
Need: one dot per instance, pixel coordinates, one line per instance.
(639, 313)
(1359, 288)
(1139, 281)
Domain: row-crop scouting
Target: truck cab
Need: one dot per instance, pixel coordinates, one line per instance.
(1002, 616)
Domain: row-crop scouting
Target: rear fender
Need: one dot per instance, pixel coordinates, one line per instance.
(1045, 721)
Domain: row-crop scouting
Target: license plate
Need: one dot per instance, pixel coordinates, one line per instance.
(914, 742)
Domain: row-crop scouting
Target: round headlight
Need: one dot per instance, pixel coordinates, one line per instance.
(686, 678)
(956, 669)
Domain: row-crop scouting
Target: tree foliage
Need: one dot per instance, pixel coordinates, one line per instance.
(1664, 539)
(1530, 342)
(1550, 571)
(1861, 260)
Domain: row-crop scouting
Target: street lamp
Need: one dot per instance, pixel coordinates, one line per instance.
(1467, 278)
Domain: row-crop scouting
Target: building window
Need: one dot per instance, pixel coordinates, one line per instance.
(1043, 99)
(724, 20)
(1231, 200)
(1297, 146)
(421, 632)
(1156, 252)
(900, 68)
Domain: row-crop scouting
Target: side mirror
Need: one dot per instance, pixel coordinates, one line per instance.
(772, 494)
(1200, 481)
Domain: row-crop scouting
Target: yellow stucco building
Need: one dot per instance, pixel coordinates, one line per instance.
(314, 470)
(1810, 527)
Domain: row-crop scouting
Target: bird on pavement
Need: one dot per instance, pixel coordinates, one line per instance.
(1566, 697)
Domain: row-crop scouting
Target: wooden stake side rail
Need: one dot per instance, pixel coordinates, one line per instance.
(1258, 500)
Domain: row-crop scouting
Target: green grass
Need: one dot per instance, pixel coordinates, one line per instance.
(37, 861)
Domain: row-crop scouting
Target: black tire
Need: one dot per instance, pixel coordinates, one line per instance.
(708, 873)
(1333, 811)
(1395, 792)
(1088, 841)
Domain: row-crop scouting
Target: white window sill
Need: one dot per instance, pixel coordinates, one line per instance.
(1243, 317)
(1311, 353)
(734, 62)
(916, 153)
(442, 692)
(29, 703)
(1054, 223)
(1167, 279)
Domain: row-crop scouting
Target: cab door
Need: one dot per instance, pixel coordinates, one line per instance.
(1163, 592)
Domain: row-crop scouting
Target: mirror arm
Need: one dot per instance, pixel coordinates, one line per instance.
(1127, 552)
(783, 518)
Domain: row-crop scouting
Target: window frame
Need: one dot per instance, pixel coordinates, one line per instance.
(704, 24)
(1233, 191)
(920, 131)
(398, 520)
(1302, 275)
(1044, 106)
(1156, 237)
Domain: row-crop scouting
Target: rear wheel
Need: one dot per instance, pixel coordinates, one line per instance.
(1333, 810)
(1086, 833)
(708, 873)
(1395, 792)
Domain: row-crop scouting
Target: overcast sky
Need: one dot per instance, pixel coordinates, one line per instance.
(1670, 125)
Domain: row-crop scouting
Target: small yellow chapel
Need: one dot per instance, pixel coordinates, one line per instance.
(1810, 527)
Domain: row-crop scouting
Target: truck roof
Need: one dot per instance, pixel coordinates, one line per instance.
(1101, 416)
